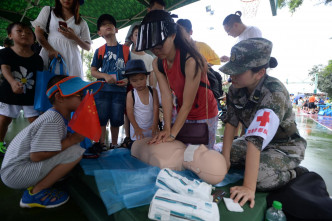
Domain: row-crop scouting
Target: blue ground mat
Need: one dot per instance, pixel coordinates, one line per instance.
(126, 182)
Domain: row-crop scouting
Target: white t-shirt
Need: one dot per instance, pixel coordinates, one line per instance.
(300, 103)
(249, 32)
(143, 116)
(44, 134)
(146, 58)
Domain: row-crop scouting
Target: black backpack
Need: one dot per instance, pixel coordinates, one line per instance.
(304, 198)
(214, 77)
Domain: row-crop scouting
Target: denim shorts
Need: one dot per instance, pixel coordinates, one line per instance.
(111, 106)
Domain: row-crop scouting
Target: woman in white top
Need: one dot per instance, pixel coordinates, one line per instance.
(63, 39)
(235, 28)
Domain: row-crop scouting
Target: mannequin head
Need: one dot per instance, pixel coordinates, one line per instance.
(209, 165)
(163, 155)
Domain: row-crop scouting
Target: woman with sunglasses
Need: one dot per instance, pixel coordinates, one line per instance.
(271, 149)
(234, 27)
(195, 104)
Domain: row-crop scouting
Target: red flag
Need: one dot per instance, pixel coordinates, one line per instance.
(85, 120)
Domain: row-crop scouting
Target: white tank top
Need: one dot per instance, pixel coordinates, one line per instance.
(143, 115)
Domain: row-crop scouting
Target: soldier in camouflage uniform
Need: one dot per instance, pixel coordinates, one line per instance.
(272, 149)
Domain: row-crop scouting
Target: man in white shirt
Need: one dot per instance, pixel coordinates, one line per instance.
(235, 28)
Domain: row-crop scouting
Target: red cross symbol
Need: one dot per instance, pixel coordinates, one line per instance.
(264, 119)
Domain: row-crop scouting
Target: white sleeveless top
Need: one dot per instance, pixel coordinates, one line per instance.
(143, 115)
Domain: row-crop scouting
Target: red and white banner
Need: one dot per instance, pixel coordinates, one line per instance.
(264, 125)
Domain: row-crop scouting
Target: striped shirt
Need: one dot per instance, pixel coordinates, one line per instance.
(44, 134)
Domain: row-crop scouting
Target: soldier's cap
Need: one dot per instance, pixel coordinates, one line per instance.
(248, 54)
(105, 17)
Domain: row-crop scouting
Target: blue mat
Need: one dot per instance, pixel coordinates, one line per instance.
(126, 182)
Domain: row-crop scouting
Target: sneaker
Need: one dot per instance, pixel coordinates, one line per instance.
(114, 146)
(104, 147)
(300, 171)
(88, 155)
(3, 148)
(48, 195)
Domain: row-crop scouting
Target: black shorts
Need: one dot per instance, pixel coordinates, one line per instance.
(311, 105)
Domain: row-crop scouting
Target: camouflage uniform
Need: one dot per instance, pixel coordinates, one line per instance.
(286, 150)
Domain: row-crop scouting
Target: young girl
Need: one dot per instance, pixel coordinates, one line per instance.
(19, 65)
(195, 104)
(142, 102)
(67, 30)
(272, 149)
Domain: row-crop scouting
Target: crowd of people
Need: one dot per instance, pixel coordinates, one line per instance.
(178, 87)
(309, 104)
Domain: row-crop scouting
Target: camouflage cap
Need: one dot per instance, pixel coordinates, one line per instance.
(248, 54)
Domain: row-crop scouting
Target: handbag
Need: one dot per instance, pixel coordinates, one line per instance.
(193, 133)
(41, 102)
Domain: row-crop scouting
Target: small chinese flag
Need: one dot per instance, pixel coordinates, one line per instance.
(85, 120)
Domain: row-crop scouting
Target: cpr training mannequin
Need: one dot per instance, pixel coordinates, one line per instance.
(209, 165)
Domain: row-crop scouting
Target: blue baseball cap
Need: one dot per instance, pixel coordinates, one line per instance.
(72, 85)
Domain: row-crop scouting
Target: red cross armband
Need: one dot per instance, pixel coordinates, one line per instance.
(265, 125)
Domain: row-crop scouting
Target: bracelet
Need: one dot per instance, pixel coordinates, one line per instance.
(172, 136)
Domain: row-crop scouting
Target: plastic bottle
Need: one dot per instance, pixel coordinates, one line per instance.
(275, 213)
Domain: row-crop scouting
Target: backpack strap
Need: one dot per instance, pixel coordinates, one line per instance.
(160, 66)
(126, 52)
(151, 91)
(132, 93)
(101, 53)
(183, 60)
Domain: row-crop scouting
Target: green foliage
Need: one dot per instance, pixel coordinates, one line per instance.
(87, 60)
(294, 4)
(324, 77)
(314, 70)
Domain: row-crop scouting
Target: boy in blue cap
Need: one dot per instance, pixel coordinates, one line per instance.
(110, 59)
(142, 102)
(44, 152)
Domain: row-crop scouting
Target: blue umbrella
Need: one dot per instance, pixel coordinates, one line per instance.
(298, 96)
